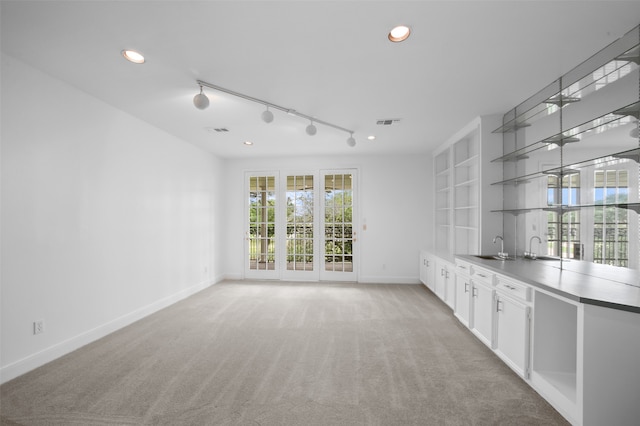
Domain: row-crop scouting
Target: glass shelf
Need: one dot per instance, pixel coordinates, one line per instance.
(576, 91)
(576, 134)
(569, 169)
(566, 208)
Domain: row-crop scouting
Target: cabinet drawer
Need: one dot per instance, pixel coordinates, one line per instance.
(463, 267)
(513, 289)
(482, 275)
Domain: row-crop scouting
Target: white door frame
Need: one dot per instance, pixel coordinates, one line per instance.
(350, 276)
(273, 274)
(319, 273)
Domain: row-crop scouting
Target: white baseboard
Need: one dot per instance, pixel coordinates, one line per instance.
(53, 352)
(388, 280)
(233, 277)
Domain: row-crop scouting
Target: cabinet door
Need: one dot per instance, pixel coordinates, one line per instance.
(430, 272)
(482, 312)
(450, 288)
(463, 298)
(441, 280)
(423, 267)
(512, 333)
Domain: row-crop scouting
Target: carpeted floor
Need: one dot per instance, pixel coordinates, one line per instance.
(256, 353)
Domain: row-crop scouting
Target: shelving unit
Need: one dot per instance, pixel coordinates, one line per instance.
(442, 167)
(461, 173)
(554, 143)
(571, 176)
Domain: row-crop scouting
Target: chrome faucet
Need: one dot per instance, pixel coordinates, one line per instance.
(530, 254)
(501, 253)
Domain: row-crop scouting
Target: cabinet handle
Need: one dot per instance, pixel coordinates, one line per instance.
(474, 292)
(498, 302)
(442, 272)
(482, 275)
(446, 274)
(427, 263)
(462, 267)
(510, 287)
(466, 287)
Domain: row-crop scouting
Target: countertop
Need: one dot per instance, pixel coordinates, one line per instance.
(584, 282)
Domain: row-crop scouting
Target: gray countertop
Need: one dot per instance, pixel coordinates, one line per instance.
(585, 282)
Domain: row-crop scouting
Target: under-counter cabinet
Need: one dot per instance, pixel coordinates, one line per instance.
(586, 360)
(427, 270)
(512, 324)
(482, 296)
(444, 281)
(583, 358)
(462, 306)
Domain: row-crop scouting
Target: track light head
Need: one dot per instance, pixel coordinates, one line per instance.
(351, 141)
(200, 100)
(267, 116)
(634, 132)
(311, 129)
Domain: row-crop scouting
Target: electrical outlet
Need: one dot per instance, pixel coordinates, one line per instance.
(38, 327)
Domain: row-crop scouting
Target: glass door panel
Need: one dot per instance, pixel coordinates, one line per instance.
(338, 226)
(300, 244)
(261, 247)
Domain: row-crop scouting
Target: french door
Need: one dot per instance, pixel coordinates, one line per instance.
(261, 254)
(338, 227)
(300, 226)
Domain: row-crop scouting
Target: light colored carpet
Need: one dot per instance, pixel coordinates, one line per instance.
(257, 353)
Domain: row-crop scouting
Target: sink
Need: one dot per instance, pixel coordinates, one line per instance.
(492, 257)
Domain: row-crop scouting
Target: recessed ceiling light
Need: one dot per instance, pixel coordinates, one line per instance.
(399, 33)
(133, 56)
(248, 143)
(371, 137)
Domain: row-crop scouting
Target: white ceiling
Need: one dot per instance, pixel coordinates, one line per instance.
(327, 59)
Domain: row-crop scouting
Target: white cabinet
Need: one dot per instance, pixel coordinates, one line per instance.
(444, 281)
(463, 292)
(512, 333)
(427, 268)
(482, 296)
(513, 324)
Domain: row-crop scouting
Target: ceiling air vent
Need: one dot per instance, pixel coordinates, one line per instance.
(216, 129)
(388, 121)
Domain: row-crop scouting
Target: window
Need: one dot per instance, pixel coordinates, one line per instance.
(563, 225)
(611, 224)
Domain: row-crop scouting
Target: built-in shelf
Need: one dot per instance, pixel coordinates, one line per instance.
(533, 110)
(632, 155)
(563, 209)
(466, 183)
(467, 162)
(576, 134)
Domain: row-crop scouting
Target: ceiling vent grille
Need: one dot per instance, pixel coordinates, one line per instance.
(387, 121)
(216, 129)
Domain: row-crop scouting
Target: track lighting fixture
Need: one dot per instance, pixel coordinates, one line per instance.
(201, 101)
(311, 129)
(267, 116)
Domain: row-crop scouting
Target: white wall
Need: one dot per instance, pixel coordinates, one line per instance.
(104, 218)
(395, 197)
